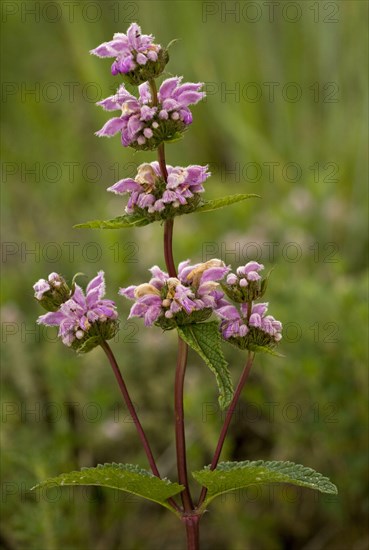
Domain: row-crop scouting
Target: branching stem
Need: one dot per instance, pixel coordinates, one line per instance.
(228, 418)
(123, 388)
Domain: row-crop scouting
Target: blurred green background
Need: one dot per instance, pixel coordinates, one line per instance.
(294, 130)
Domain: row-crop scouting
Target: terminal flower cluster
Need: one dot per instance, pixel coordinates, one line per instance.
(145, 123)
(150, 196)
(137, 57)
(84, 319)
(190, 297)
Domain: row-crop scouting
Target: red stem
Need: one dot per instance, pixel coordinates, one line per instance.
(168, 253)
(192, 528)
(161, 159)
(228, 418)
(179, 424)
(192, 531)
(123, 388)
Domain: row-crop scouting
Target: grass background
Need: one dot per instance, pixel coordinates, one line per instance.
(62, 412)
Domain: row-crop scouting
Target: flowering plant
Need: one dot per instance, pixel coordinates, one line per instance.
(207, 303)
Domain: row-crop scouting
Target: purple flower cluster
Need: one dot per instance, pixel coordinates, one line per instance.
(144, 125)
(190, 297)
(246, 284)
(136, 55)
(239, 324)
(84, 316)
(151, 196)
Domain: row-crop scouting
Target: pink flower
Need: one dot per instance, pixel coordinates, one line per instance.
(83, 314)
(150, 193)
(171, 301)
(143, 125)
(246, 330)
(132, 51)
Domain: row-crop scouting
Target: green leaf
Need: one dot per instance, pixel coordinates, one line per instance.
(115, 223)
(131, 220)
(205, 339)
(125, 477)
(88, 345)
(229, 476)
(265, 349)
(224, 201)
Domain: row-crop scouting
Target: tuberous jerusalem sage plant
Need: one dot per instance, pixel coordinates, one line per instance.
(208, 303)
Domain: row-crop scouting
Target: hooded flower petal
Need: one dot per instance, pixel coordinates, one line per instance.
(228, 312)
(110, 128)
(53, 318)
(98, 283)
(214, 274)
(168, 86)
(125, 186)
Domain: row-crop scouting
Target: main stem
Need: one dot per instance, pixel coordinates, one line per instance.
(191, 521)
(181, 365)
(192, 532)
(168, 254)
(227, 421)
(123, 388)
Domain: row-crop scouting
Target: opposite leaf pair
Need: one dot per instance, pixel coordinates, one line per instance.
(228, 476)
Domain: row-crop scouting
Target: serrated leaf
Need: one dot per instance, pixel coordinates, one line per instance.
(229, 476)
(205, 339)
(127, 221)
(115, 223)
(208, 206)
(124, 477)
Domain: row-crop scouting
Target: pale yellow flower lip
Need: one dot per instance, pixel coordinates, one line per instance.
(144, 289)
(196, 274)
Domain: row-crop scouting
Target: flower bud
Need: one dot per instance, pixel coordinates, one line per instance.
(51, 293)
(246, 285)
(146, 70)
